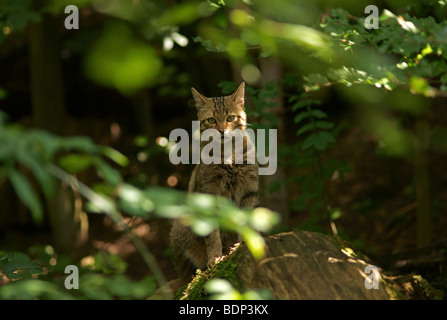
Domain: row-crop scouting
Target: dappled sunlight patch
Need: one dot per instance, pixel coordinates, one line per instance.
(121, 61)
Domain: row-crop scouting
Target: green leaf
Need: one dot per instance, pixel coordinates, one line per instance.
(46, 143)
(420, 85)
(263, 219)
(140, 141)
(165, 196)
(209, 45)
(109, 263)
(78, 143)
(134, 201)
(324, 125)
(323, 139)
(315, 78)
(300, 116)
(26, 194)
(101, 203)
(313, 113)
(29, 154)
(45, 180)
(75, 163)
(13, 258)
(319, 140)
(202, 202)
(32, 289)
(309, 141)
(17, 265)
(255, 243)
(305, 128)
(168, 202)
(110, 174)
(116, 156)
(304, 103)
(335, 213)
(94, 286)
(203, 226)
(311, 87)
(444, 78)
(318, 114)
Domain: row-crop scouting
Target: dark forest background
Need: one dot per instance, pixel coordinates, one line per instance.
(85, 117)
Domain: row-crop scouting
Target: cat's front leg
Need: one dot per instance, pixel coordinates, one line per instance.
(213, 247)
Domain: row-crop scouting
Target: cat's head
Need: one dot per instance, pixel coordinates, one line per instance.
(225, 113)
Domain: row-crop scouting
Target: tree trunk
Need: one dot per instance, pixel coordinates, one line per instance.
(47, 92)
(48, 106)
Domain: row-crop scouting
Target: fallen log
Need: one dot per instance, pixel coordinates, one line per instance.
(309, 265)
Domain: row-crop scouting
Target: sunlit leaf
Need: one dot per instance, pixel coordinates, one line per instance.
(221, 289)
(263, 219)
(255, 242)
(116, 156)
(102, 204)
(420, 85)
(202, 202)
(203, 226)
(134, 201)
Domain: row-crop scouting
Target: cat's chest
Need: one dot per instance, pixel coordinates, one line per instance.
(228, 181)
(225, 175)
(229, 177)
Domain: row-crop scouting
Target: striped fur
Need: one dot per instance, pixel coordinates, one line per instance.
(238, 182)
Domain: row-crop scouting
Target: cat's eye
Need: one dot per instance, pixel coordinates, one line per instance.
(211, 120)
(230, 118)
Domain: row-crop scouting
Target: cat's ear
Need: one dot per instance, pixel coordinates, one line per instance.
(239, 96)
(198, 98)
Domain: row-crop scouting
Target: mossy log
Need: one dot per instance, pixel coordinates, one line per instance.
(307, 265)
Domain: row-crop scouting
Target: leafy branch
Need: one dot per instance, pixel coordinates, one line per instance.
(408, 52)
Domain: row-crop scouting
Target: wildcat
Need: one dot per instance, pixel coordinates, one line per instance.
(238, 182)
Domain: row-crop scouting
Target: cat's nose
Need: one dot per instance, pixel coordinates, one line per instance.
(221, 130)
